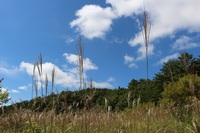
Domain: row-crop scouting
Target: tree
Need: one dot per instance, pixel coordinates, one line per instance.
(3, 96)
(195, 66)
(180, 95)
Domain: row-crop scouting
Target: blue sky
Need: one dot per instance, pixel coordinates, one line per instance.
(114, 48)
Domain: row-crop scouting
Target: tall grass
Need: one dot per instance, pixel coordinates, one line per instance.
(80, 53)
(53, 79)
(127, 121)
(146, 27)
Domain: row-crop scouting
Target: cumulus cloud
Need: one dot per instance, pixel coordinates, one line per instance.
(130, 61)
(65, 79)
(125, 7)
(167, 17)
(93, 21)
(183, 43)
(142, 51)
(68, 78)
(167, 58)
(87, 63)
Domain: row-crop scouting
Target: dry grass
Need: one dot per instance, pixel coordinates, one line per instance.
(96, 121)
(146, 28)
(80, 53)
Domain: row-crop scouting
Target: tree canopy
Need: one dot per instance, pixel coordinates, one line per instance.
(3, 94)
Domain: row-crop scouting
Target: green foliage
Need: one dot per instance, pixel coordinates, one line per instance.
(182, 91)
(145, 89)
(3, 96)
(180, 96)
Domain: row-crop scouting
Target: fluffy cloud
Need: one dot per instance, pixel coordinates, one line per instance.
(167, 17)
(130, 61)
(167, 58)
(142, 51)
(184, 42)
(67, 78)
(125, 7)
(93, 21)
(87, 63)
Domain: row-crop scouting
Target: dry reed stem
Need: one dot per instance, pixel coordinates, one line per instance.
(80, 53)
(53, 79)
(146, 33)
(46, 85)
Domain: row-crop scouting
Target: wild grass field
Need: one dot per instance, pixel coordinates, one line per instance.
(94, 120)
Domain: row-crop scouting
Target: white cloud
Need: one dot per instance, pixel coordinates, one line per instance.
(69, 40)
(130, 61)
(102, 85)
(111, 79)
(67, 78)
(28, 67)
(93, 21)
(9, 71)
(14, 91)
(87, 63)
(71, 58)
(168, 17)
(125, 7)
(184, 42)
(132, 65)
(167, 58)
(142, 51)
(117, 40)
(23, 87)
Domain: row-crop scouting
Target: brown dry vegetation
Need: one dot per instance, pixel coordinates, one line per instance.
(99, 121)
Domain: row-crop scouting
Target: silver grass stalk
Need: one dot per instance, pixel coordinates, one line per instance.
(53, 79)
(46, 85)
(80, 53)
(40, 60)
(146, 27)
(146, 33)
